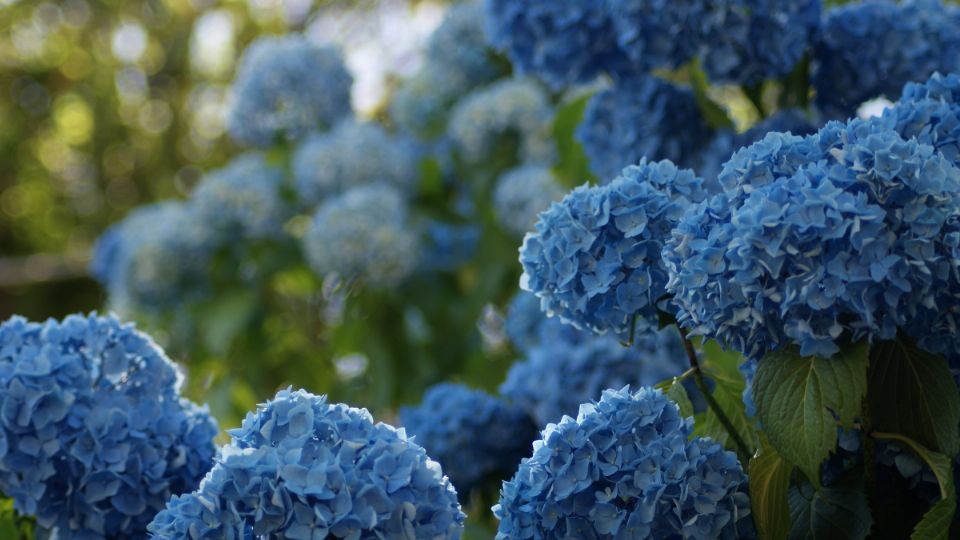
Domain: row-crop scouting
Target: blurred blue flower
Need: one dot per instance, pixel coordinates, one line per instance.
(363, 234)
(748, 41)
(594, 259)
(485, 121)
(286, 87)
(527, 326)
(350, 155)
(157, 257)
(447, 246)
(641, 118)
(562, 42)
(243, 200)
(624, 468)
(94, 436)
(460, 48)
(521, 194)
(421, 104)
(657, 33)
(725, 143)
(474, 436)
(846, 235)
(560, 373)
(872, 48)
(303, 469)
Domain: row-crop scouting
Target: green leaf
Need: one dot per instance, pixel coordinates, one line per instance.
(226, 317)
(912, 393)
(935, 524)
(678, 393)
(833, 512)
(800, 399)
(938, 463)
(573, 167)
(715, 115)
(769, 486)
(722, 368)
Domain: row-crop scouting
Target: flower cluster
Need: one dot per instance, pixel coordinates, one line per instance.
(473, 435)
(243, 200)
(562, 42)
(657, 34)
(645, 117)
(747, 41)
(363, 234)
(352, 154)
(624, 468)
(94, 436)
(421, 104)
(847, 234)
(726, 142)
(154, 259)
(870, 49)
(487, 120)
(521, 194)
(286, 87)
(594, 259)
(304, 469)
(448, 245)
(559, 374)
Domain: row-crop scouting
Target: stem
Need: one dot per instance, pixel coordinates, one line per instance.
(711, 402)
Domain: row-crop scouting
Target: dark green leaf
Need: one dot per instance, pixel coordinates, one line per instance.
(800, 399)
(938, 463)
(573, 168)
(840, 512)
(912, 393)
(715, 115)
(935, 524)
(722, 368)
(769, 485)
(678, 393)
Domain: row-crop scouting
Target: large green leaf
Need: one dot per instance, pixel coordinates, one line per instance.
(674, 390)
(800, 399)
(935, 524)
(769, 485)
(840, 512)
(912, 393)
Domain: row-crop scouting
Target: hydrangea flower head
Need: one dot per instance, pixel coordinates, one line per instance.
(302, 468)
(852, 244)
(872, 48)
(748, 41)
(243, 199)
(930, 112)
(353, 154)
(563, 42)
(560, 373)
(658, 33)
(594, 259)
(94, 436)
(286, 87)
(474, 436)
(363, 234)
(624, 468)
(421, 104)
(157, 257)
(459, 45)
(482, 122)
(521, 194)
(641, 118)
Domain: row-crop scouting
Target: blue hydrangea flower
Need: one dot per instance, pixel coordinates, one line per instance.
(363, 234)
(748, 41)
(243, 200)
(447, 246)
(657, 33)
(646, 117)
(482, 122)
(474, 436)
(848, 234)
(303, 469)
(94, 436)
(421, 104)
(460, 48)
(521, 194)
(570, 368)
(353, 154)
(562, 42)
(525, 323)
(725, 143)
(624, 468)
(872, 48)
(286, 87)
(157, 257)
(594, 259)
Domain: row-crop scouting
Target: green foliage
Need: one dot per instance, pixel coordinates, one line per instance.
(912, 393)
(800, 401)
(829, 513)
(769, 487)
(675, 390)
(573, 168)
(721, 367)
